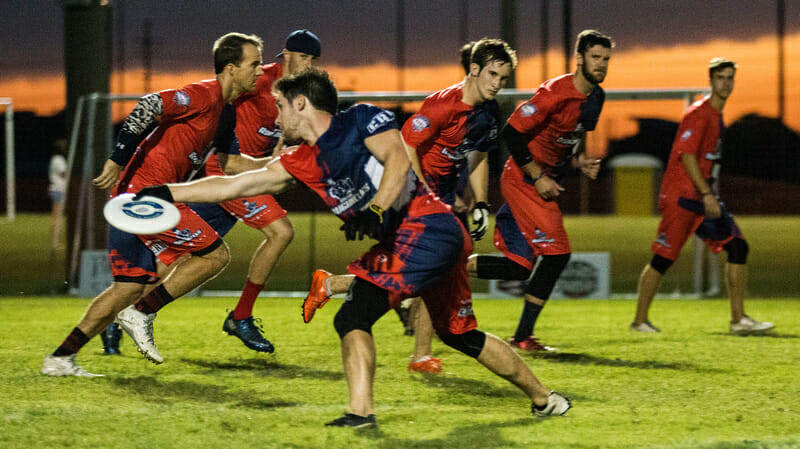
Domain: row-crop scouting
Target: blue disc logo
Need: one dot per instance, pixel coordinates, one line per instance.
(143, 210)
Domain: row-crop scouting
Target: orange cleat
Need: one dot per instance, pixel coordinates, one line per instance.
(318, 296)
(426, 364)
(530, 344)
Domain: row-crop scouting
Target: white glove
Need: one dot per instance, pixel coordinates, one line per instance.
(480, 220)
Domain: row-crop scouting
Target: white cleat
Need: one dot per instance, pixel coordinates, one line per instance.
(749, 326)
(646, 327)
(557, 405)
(64, 366)
(139, 326)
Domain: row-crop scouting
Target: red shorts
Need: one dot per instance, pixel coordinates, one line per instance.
(426, 256)
(678, 223)
(539, 222)
(191, 235)
(255, 211)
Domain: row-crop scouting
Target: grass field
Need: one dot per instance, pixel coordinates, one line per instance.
(30, 269)
(692, 386)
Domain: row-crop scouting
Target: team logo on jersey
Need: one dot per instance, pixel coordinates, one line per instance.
(465, 311)
(253, 208)
(345, 192)
(186, 236)
(686, 134)
(419, 122)
(266, 132)
(182, 98)
(157, 247)
(541, 237)
(528, 109)
(379, 120)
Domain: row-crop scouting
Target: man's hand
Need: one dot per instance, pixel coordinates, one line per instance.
(109, 176)
(367, 222)
(711, 205)
(589, 166)
(160, 191)
(480, 220)
(547, 187)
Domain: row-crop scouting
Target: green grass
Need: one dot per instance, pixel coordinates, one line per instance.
(29, 268)
(692, 386)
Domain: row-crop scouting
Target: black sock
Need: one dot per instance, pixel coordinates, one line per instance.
(72, 344)
(499, 267)
(155, 300)
(528, 319)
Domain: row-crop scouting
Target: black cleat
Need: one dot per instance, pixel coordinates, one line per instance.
(354, 421)
(111, 337)
(249, 332)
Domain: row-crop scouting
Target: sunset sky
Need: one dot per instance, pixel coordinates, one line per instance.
(658, 46)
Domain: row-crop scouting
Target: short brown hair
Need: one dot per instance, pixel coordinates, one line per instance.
(486, 51)
(228, 49)
(589, 38)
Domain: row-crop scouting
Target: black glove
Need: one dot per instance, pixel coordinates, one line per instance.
(480, 220)
(367, 222)
(160, 191)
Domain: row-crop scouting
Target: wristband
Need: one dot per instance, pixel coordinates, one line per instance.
(378, 211)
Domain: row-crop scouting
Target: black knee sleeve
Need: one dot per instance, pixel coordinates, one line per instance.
(365, 303)
(470, 343)
(546, 274)
(737, 251)
(500, 267)
(660, 264)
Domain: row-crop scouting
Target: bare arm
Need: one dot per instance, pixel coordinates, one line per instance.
(271, 179)
(388, 147)
(693, 169)
(414, 158)
(233, 164)
(479, 178)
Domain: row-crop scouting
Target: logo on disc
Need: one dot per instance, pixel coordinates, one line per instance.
(143, 210)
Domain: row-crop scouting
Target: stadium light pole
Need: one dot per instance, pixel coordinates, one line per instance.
(781, 19)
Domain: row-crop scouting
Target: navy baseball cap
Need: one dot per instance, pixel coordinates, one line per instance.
(302, 41)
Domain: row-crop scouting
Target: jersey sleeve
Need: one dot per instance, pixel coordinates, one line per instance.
(373, 120)
(423, 127)
(185, 102)
(690, 133)
(299, 163)
(492, 110)
(531, 116)
(225, 140)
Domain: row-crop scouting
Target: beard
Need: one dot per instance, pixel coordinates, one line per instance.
(592, 78)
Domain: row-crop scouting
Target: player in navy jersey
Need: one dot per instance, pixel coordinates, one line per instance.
(170, 153)
(356, 162)
(545, 136)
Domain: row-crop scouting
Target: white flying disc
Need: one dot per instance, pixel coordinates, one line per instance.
(147, 215)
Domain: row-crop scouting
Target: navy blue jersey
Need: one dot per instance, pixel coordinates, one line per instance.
(340, 168)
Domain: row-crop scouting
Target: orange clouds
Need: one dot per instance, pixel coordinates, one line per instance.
(631, 67)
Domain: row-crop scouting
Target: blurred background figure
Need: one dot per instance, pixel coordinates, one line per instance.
(57, 191)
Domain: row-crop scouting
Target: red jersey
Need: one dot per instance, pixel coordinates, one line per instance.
(177, 146)
(444, 131)
(699, 134)
(256, 133)
(555, 120)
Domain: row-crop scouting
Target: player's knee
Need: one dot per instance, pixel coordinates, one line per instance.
(737, 250)
(365, 303)
(546, 274)
(280, 231)
(470, 343)
(660, 264)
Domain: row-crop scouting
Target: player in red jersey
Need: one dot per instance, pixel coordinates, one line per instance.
(545, 137)
(189, 119)
(257, 137)
(689, 203)
(356, 162)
